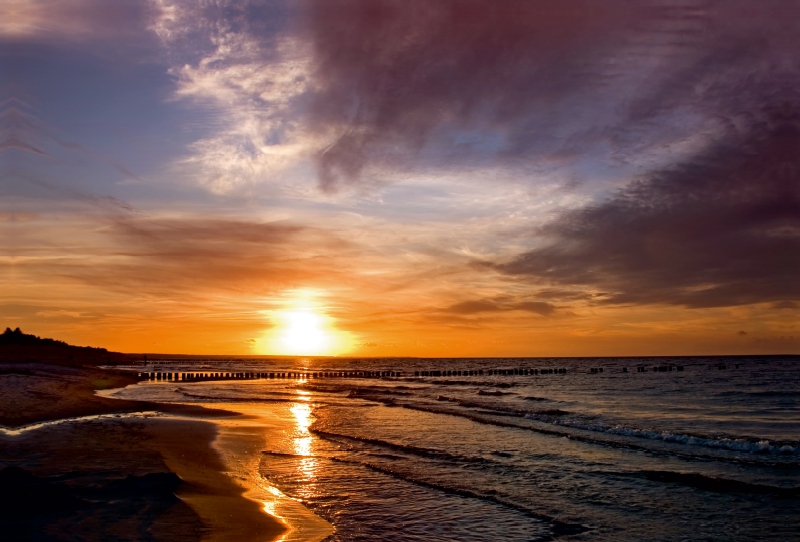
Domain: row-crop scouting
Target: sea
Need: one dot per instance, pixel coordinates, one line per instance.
(526, 449)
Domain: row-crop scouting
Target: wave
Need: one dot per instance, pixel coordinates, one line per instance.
(559, 417)
(229, 399)
(555, 416)
(429, 453)
(487, 421)
(766, 393)
(497, 410)
(558, 528)
(554, 428)
(470, 383)
(379, 391)
(494, 393)
(749, 445)
(283, 454)
(717, 485)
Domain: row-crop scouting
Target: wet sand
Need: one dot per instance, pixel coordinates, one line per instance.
(214, 496)
(241, 442)
(99, 477)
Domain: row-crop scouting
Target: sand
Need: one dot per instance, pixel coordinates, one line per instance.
(215, 496)
(112, 477)
(35, 392)
(241, 441)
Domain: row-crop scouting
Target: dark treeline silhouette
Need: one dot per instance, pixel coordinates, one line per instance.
(17, 337)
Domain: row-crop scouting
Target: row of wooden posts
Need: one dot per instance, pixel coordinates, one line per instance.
(491, 372)
(195, 376)
(658, 369)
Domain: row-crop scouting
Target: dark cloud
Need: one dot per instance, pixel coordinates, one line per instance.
(565, 294)
(538, 307)
(472, 307)
(392, 74)
(722, 229)
(455, 83)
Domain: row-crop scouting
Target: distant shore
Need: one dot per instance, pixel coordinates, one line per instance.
(115, 471)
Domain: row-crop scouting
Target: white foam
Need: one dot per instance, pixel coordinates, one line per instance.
(79, 419)
(739, 445)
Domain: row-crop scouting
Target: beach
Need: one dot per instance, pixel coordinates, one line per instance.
(80, 466)
(513, 450)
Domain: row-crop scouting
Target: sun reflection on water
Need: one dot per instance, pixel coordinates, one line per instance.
(302, 415)
(303, 442)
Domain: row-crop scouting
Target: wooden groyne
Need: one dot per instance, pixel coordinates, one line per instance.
(197, 376)
(206, 375)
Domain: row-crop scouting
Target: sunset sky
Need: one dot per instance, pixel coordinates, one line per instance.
(402, 177)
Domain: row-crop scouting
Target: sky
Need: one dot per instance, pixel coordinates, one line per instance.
(402, 177)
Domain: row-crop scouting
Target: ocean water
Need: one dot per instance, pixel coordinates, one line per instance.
(700, 454)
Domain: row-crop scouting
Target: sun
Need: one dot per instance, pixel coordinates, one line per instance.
(303, 328)
(303, 333)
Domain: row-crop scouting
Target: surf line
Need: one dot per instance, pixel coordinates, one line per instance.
(14, 432)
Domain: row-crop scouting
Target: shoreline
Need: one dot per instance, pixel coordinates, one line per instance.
(104, 442)
(216, 497)
(240, 442)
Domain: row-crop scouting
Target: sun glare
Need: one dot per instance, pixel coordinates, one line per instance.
(303, 330)
(304, 334)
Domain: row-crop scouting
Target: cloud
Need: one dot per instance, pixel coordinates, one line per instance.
(483, 306)
(538, 307)
(369, 92)
(363, 88)
(177, 258)
(76, 20)
(59, 314)
(478, 76)
(588, 89)
(472, 307)
(173, 255)
(720, 230)
(259, 137)
(250, 77)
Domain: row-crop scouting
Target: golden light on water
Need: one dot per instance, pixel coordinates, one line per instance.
(303, 439)
(304, 329)
(303, 443)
